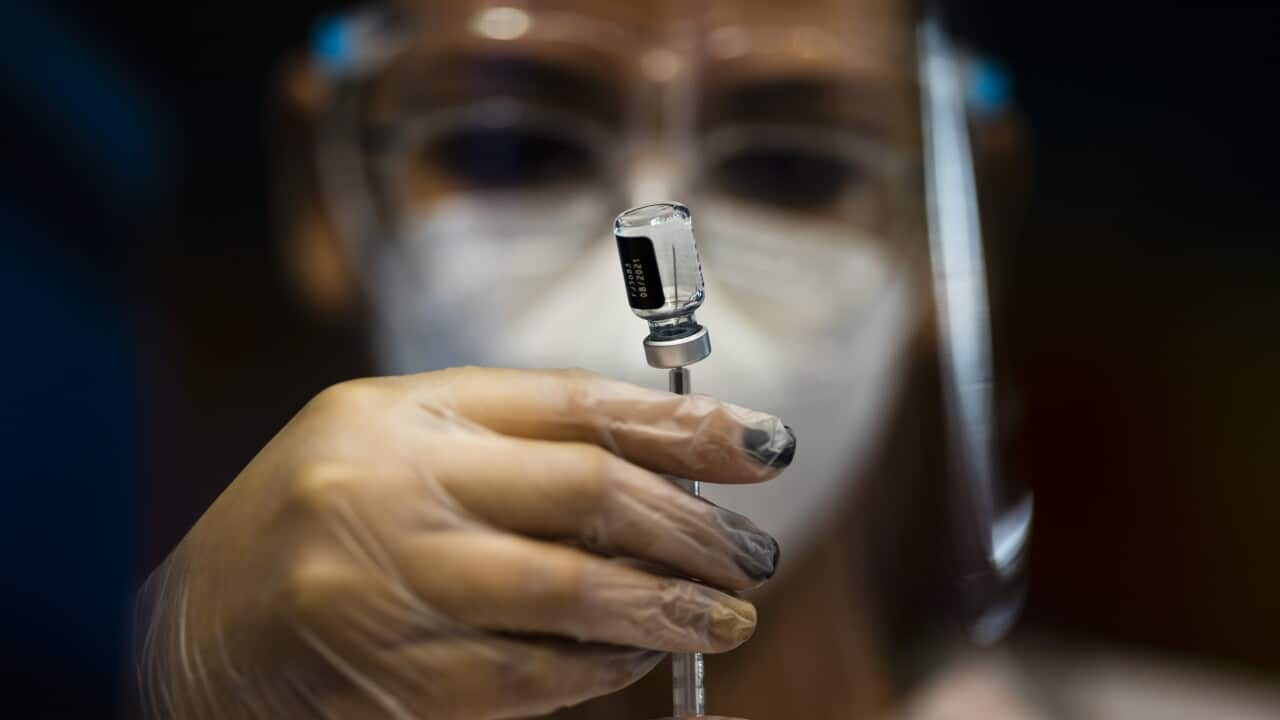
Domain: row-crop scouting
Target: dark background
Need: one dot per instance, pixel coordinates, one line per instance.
(154, 344)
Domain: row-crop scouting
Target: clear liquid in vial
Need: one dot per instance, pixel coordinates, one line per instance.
(660, 266)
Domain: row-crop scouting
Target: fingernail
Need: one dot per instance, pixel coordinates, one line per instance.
(761, 565)
(733, 621)
(758, 552)
(773, 448)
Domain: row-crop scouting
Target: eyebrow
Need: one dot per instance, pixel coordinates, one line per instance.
(870, 105)
(463, 76)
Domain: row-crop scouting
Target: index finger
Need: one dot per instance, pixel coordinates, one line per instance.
(691, 436)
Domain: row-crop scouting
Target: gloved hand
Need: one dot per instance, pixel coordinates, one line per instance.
(470, 543)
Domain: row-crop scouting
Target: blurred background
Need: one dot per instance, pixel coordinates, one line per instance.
(156, 342)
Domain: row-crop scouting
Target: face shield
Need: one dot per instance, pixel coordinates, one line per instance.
(472, 157)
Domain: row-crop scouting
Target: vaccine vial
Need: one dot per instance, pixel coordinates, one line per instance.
(663, 279)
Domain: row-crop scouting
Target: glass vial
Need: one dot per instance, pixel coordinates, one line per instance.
(660, 267)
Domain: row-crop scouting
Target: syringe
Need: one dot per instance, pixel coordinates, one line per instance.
(663, 276)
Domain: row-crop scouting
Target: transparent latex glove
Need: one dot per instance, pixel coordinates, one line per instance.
(471, 543)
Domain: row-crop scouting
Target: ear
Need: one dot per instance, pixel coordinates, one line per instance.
(317, 259)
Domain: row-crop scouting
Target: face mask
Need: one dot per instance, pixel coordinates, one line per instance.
(808, 319)
(470, 268)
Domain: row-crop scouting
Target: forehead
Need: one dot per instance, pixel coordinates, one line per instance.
(826, 59)
(869, 28)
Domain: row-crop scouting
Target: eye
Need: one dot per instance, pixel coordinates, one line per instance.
(508, 157)
(787, 176)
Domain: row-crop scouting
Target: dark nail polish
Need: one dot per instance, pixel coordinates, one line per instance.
(789, 452)
(757, 550)
(760, 444)
(760, 563)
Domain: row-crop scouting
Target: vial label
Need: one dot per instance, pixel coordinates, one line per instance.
(640, 270)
